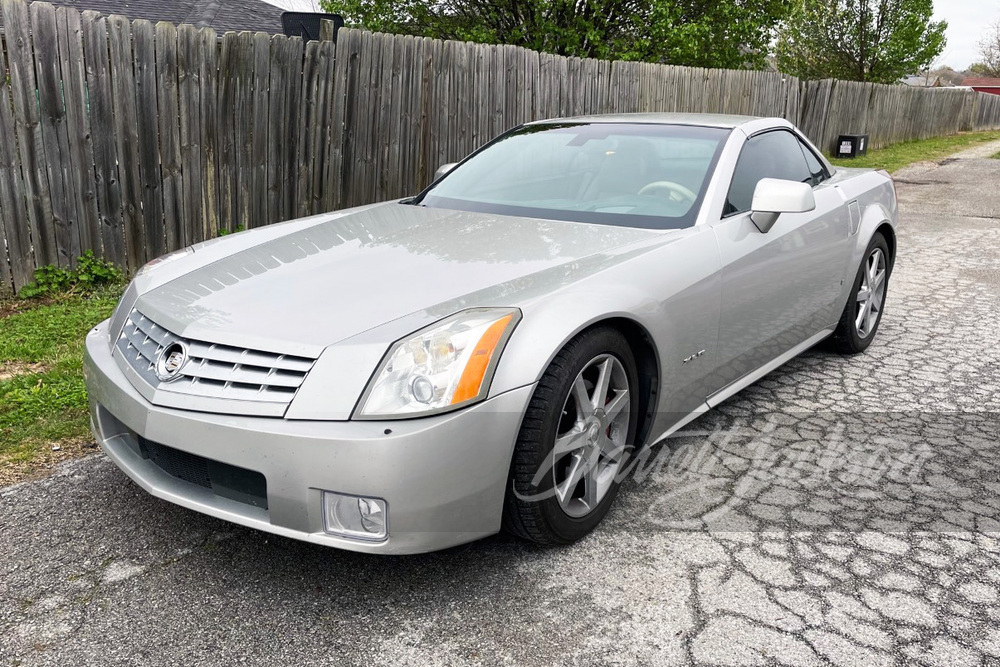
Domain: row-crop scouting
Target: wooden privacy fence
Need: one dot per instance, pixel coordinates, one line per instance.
(132, 139)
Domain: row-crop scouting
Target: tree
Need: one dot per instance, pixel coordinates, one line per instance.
(708, 33)
(705, 33)
(989, 51)
(861, 40)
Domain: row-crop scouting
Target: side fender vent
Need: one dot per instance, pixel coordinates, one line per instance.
(855, 210)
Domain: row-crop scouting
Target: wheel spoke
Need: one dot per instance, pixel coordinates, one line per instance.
(603, 382)
(564, 491)
(611, 451)
(864, 294)
(862, 314)
(872, 319)
(584, 406)
(877, 299)
(617, 404)
(591, 485)
(879, 279)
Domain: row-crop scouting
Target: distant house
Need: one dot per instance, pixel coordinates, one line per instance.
(983, 85)
(223, 15)
(923, 81)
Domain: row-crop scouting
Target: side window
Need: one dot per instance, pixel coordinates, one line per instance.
(816, 167)
(776, 154)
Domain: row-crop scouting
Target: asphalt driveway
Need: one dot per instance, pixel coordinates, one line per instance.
(839, 511)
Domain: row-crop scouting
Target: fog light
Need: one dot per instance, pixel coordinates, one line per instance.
(354, 517)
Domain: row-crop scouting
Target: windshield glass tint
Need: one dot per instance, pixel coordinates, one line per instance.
(630, 175)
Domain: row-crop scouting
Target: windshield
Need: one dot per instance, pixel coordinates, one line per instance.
(631, 175)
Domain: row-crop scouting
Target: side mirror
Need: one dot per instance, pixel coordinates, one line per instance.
(444, 169)
(774, 196)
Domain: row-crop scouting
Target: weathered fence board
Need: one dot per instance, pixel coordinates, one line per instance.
(132, 140)
(27, 128)
(189, 134)
(147, 139)
(55, 138)
(123, 88)
(243, 130)
(208, 77)
(168, 125)
(81, 147)
(305, 124)
(258, 157)
(277, 122)
(50, 121)
(225, 121)
(106, 178)
(18, 263)
(290, 131)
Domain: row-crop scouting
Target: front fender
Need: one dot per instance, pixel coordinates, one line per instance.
(872, 218)
(878, 208)
(672, 294)
(545, 330)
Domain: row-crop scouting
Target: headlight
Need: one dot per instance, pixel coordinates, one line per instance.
(122, 310)
(447, 365)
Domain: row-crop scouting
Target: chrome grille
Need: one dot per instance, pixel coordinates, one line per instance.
(213, 371)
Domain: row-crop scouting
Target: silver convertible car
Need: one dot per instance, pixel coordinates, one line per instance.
(491, 353)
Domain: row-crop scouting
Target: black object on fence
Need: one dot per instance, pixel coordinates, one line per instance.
(308, 25)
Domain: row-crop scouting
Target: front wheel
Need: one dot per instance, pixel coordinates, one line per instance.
(863, 312)
(577, 435)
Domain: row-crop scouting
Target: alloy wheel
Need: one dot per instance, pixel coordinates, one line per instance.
(591, 440)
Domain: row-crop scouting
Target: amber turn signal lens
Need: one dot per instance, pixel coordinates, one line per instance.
(471, 381)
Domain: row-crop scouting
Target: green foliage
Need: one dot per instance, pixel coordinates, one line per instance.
(89, 274)
(40, 334)
(41, 408)
(46, 402)
(226, 232)
(704, 33)
(879, 41)
(984, 70)
(732, 35)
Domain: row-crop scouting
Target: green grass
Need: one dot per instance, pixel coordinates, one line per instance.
(44, 401)
(897, 156)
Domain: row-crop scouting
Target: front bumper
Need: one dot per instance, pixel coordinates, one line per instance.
(443, 477)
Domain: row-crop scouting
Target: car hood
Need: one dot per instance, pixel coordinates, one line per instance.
(316, 285)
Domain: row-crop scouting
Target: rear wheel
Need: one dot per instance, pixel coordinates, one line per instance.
(863, 312)
(577, 434)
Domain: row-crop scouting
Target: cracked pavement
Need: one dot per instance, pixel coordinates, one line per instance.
(840, 511)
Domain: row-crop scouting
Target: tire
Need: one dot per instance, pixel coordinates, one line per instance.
(543, 504)
(855, 333)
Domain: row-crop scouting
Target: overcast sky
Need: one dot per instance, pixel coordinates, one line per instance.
(967, 21)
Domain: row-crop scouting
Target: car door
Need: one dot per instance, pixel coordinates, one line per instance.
(781, 287)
